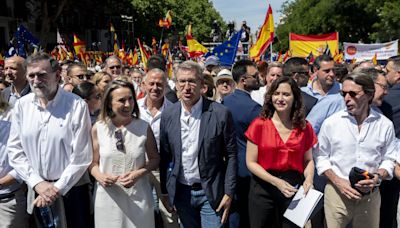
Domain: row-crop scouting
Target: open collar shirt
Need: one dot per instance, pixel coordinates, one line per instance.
(190, 130)
(342, 146)
(51, 143)
(154, 121)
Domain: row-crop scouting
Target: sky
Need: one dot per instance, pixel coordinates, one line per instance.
(251, 11)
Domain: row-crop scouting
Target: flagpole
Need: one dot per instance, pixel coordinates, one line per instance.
(270, 48)
(159, 46)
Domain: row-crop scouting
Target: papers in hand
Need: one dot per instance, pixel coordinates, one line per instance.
(301, 207)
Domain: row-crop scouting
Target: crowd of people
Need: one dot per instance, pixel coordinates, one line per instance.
(213, 146)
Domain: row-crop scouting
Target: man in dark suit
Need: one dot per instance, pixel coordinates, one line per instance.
(14, 71)
(391, 109)
(244, 110)
(198, 154)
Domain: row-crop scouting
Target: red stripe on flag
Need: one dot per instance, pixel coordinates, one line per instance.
(322, 37)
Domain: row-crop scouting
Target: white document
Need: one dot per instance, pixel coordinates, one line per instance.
(302, 206)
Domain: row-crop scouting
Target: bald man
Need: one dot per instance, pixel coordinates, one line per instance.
(14, 71)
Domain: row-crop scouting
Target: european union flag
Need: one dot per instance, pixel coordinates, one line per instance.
(24, 36)
(226, 52)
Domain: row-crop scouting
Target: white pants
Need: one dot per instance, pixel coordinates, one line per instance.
(13, 211)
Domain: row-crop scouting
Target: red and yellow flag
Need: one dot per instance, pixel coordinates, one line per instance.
(167, 21)
(164, 49)
(1, 59)
(195, 49)
(375, 59)
(302, 45)
(143, 54)
(79, 46)
(265, 36)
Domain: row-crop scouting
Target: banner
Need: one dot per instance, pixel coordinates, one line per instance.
(303, 45)
(367, 51)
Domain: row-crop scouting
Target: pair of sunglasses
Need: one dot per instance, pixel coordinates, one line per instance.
(120, 140)
(351, 93)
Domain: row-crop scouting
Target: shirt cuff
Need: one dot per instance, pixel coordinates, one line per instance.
(323, 166)
(63, 189)
(389, 167)
(33, 180)
(15, 175)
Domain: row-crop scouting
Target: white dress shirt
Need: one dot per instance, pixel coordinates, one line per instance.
(190, 130)
(51, 143)
(154, 121)
(5, 168)
(259, 95)
(342, 146)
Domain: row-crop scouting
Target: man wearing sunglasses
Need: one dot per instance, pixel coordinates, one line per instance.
(358, 137)
(78, 73)
(113, 66)
(325, 81)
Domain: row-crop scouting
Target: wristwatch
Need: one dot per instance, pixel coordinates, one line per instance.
(379, 179)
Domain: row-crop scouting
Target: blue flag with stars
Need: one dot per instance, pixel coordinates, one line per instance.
(226, 52)
(24, 36)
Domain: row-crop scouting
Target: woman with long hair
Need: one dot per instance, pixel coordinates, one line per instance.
(121, 143)
(279, 154)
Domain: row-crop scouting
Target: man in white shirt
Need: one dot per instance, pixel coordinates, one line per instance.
(198, 154)
(274, 71)
(49, 144)
(356, 137)
(151, 107)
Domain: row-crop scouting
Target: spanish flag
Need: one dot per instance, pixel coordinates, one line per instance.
(143, 54)
(302, 45)
(79, 45)
(265, 36)
(1, 59)
(167, 21)
(195, 49)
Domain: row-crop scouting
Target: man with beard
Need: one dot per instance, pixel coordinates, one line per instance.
(49, 144)
(244, 110)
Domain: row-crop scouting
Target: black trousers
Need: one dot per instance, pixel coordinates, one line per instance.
(267, 204)
(389, 199)
(76, 206)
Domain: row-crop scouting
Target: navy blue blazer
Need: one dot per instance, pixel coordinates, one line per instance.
(217, 151)
(244, 110)
(391, 107)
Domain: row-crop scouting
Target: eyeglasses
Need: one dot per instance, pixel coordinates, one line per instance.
(327, 70)
(191, 82)
(115, 67)
(384, 87)
(351, 93)
(120, 141)
(84, 76)
(223, 81)
(254, 76)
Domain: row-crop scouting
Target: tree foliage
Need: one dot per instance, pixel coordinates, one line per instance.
(358, 20)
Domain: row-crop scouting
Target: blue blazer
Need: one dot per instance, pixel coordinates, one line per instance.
(217, 151)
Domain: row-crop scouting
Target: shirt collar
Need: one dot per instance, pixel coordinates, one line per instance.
(53, 102)
(334, 89)
(142, 103)
(23, 91)
(373, 115)
(195, 110)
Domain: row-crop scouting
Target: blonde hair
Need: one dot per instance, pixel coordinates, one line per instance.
(97, 77)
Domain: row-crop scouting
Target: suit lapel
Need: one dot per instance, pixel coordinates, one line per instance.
(176, 123)
(205, 119)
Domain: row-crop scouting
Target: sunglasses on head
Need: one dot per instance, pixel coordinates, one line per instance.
(351, 93)
(120, 141)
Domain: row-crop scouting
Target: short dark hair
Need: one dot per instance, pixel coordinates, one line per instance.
(292, 65)
(322, 58)
(240, 69)
(364, 80)
(75, 65)
(297, 114)
(340, 71)
(156, 61)
(106, 112)
(84, 89)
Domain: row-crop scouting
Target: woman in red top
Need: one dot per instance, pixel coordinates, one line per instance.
(278, 154)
